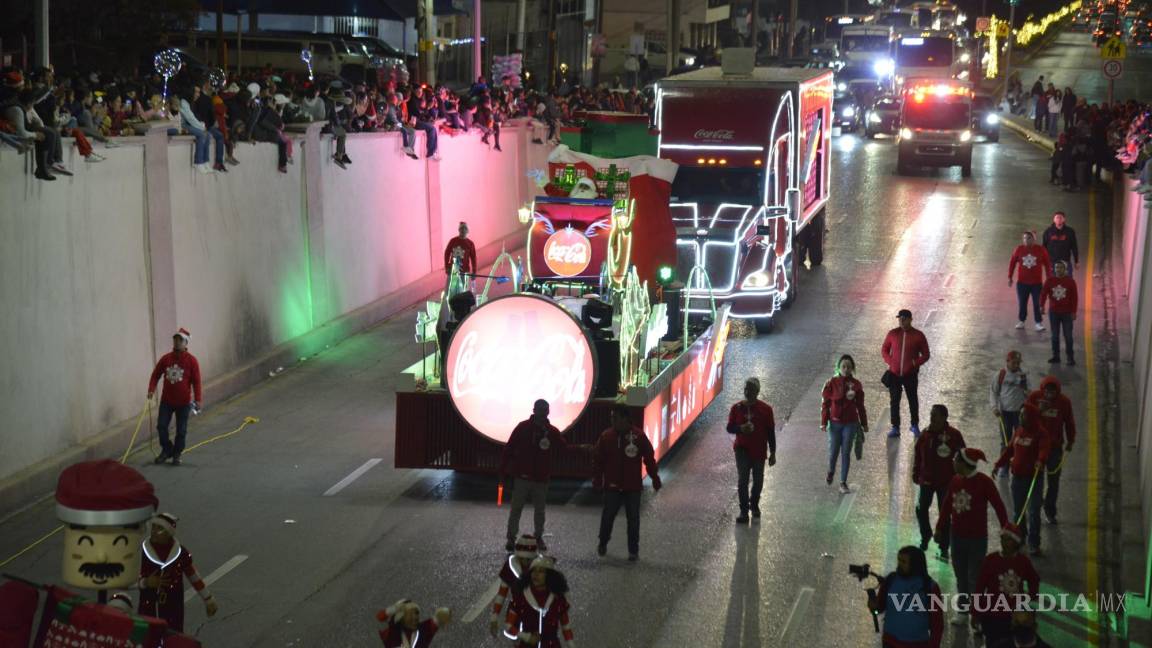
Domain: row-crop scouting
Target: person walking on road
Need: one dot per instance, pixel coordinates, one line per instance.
(460, 250)
(1058, 420)
(1032, 260)
(933, 470)
(1059, 242)
(1006, 573)
(1008, 392)
(1027, 453)
(528, 458)
(965, 508)
(179, 396)
(905, 350)
(1062, 299)
(513, 568)
(907, 624)
(616, 462)
(754, 424)
(404, 629)
(162, 572)
(842, 417)
(538, 614)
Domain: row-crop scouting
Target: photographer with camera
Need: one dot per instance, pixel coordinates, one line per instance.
(906, 599)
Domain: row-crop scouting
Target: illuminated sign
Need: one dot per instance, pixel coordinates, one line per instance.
(567, 252)
(844, 20)
(512, 351)
(912, 41)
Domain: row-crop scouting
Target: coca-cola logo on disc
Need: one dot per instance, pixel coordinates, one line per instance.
(512, 351)
(567, 252)
(720, 134)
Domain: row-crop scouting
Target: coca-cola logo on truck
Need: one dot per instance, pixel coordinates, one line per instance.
(717, 134)
(512, 351)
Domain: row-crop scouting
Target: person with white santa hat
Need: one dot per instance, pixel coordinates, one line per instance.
(513, 568)
(180, 395)
(1007, 573)
(403, 627)
(162, 572)
(538, 614)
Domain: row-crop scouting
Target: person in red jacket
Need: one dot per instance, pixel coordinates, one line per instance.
(180, 394)
(1032, 259)
(905, 350)
(528, 458)
(404, 629)
(1062, 298)
(908, 624)
(538, 615)
(1058, 420)
(842, 417)
(616, 462)
(932, 471)
(165, 565)
(1006, 574)
(461, 249)
(966, 508)
(754, 425)
(513, 568)
(1026, 456)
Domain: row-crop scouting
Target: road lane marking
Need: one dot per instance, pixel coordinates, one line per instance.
(949, 280)
(232, 563)
(482, 603)
(928, 317)
(1091, 552)
(799, 610)
(353, 476)
(846, 506)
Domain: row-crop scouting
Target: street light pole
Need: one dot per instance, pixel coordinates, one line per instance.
(1011, 40)
(41, 32)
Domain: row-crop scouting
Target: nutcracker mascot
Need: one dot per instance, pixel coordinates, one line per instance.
(404, 629)
(538, 614)
(162, 572)
(513, 568)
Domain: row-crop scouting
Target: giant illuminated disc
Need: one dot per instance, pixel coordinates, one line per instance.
(512, 351)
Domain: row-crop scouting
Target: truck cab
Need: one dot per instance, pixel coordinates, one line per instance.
(935, 126)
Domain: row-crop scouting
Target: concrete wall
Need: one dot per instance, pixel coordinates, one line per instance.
(96, 270)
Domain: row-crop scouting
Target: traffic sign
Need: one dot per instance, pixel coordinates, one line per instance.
(1002, 29)
(1113, 68)
(1114, 49)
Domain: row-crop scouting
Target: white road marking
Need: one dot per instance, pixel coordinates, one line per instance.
(232, 563)
(845, 507)
(799, 610)
(482, 603)
(928, 317)
(353, 476)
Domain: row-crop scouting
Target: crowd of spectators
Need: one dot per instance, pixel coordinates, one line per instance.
(40, 110)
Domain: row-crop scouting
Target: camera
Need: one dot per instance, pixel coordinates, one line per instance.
(860, 571)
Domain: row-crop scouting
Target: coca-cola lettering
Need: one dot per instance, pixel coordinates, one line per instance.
(724, 134)
(567, 252)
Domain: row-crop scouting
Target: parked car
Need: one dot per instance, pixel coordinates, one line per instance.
(883, 117)
(986, 117)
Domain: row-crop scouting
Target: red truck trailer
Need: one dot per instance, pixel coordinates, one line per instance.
(749, 197)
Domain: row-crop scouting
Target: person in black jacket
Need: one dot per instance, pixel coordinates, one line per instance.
(337, 113)
(269, 127)
(203, 109)
(1060, 242)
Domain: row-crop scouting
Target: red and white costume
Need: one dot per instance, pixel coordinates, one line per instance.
(173, 563)
(510, 573)
(539, 612)
(396, 635)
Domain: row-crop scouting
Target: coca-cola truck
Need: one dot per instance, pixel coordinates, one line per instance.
(748, 201)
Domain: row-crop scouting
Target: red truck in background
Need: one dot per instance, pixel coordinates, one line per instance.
(748, 200)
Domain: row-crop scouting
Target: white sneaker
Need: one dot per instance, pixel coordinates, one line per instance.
(1039, 326)
(94, 157)
(435, 156)
(203, 168)
(111, 144)
(1020, 324)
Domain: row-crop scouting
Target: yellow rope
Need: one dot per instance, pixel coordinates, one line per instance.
(1059, 465)
(147, 408)
(33, 545)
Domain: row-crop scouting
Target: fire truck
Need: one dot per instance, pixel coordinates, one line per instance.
(935, 126)
(748, 200)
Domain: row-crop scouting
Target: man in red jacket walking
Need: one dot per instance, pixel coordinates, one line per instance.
(616, 463)
(1032, 259)
(179, 395)
(932, 471)
(754, 425)
(528, 458)
(1027, 453)
(1063, 300)
(1058, 420)
(905, 350)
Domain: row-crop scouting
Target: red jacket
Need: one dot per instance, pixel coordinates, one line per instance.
(932, 462)
(541, 613)
(1000, 574)
(905, 351)
(181, 374)
(966, 505)
(463, 247)
(394, 634)
(763, 435)
(526, 455)
(837, 407)
(1033, 262)
(1030, 444)
(1056, 417)
(617, 467)
(1061, 295)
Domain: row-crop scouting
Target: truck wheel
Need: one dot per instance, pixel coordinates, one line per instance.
(966, 170)
(816, 239)
(764, 325)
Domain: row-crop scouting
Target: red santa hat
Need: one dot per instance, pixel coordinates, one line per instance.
(166, 521)
(526, 547)
(972, 455)
(1011, 354)
(183, 333)
(1012, 531)
(104, 493)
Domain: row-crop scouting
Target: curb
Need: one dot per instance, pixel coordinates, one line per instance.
(1023, 128)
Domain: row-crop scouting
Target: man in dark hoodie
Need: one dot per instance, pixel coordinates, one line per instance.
(1059, 241)
(1058, 421)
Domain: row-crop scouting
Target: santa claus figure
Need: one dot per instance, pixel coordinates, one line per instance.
(162, 572)
(404, 629)
(538, 614)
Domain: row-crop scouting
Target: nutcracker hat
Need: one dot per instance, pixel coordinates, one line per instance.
(166, 521)
(543, 562)
(1012, 531)
(526, 546)
(183, 333)
(395, 614)
(972, 455)
(104, 493)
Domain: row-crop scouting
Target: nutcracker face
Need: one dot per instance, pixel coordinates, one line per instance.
(102, 557)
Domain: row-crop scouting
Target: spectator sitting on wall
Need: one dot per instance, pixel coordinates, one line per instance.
(363, 114)
(269, 127)
(20, 116)
(192, 125)
(336, 107)
(313, 105)
(420, 117)
(486, 121)
(393, 119)
(205, 113)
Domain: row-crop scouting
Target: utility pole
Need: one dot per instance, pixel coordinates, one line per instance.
(40, 17)
(755, 28)
(792, 11)
(220, 46)
(599, 34)
(1011, 41)
(672, 44)
(552, 53)
(426, 32)
(521, 19)
(477, 50)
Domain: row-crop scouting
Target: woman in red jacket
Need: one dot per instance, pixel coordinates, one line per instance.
(538, 614)
(842, 417)
(1027, 455)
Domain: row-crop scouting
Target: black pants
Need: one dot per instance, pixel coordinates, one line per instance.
(923, 506)
(746, 466)
(1061, 323)
(164, 419)
(1041, 120)
(613, 499)
(908, 385)
(1009, 421)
